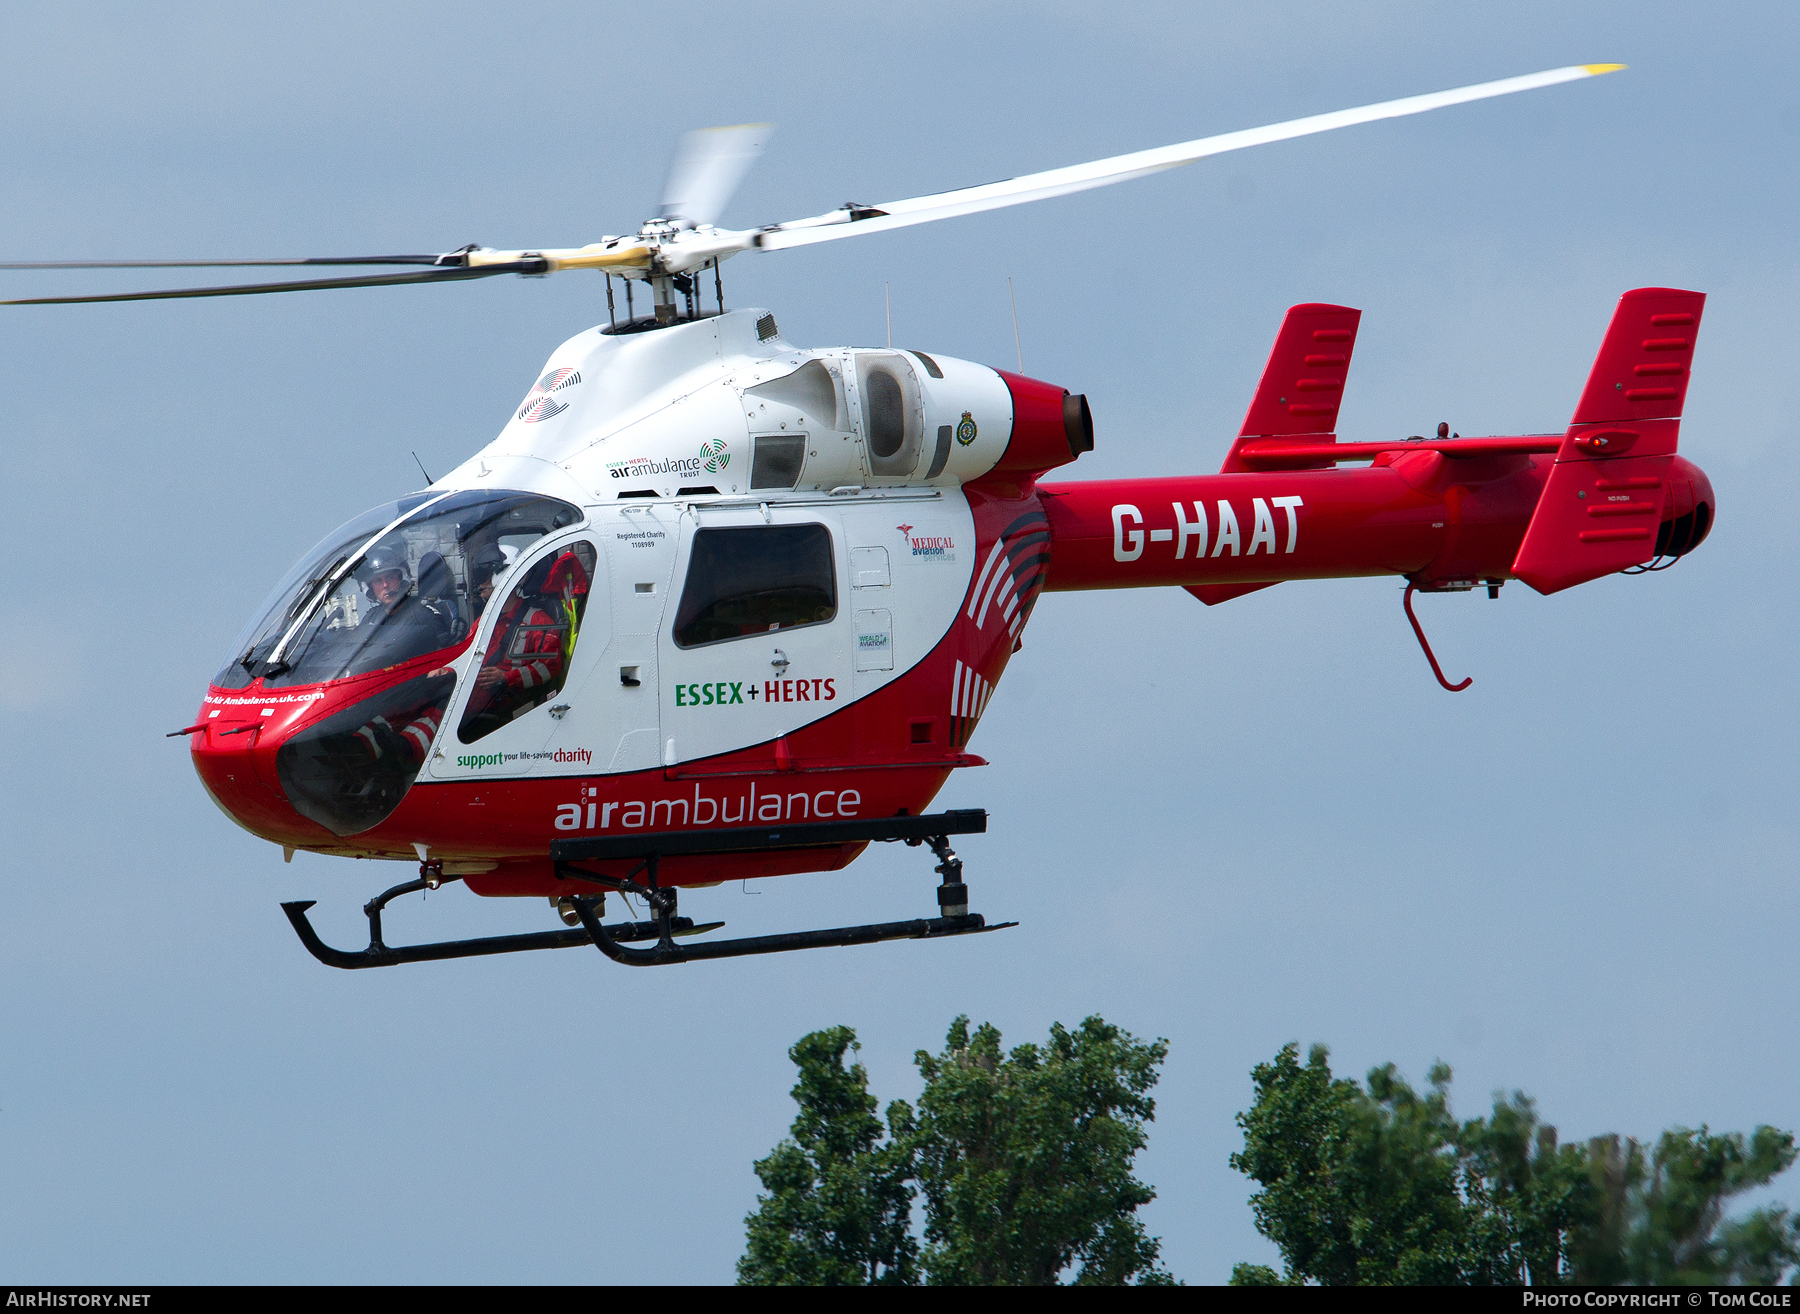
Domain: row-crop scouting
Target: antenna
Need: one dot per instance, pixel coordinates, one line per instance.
(1017, 346)
(422, 470)
(887, 296)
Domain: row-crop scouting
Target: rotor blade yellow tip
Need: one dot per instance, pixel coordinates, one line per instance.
(1597, 69)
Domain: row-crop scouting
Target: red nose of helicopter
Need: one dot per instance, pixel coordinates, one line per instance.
(321, 721)
(333, 762)
(234, 747)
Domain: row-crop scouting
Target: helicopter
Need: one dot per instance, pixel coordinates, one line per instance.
(714, 606)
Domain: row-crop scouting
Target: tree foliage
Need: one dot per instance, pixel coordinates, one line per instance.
(1661, 1215)
(838, 1208)
(1384, 1185)
(1024, 1160)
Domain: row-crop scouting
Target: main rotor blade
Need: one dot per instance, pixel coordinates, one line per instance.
(446, 275)
(220, 264)
(1100, 173)
(707, 168)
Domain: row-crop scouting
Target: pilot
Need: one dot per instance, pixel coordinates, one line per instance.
(401, 625)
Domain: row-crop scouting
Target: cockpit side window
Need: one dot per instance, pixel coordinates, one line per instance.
(755, 580)
(532, 642)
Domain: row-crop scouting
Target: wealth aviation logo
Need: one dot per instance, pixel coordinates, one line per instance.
(714, 455)
(539, 404)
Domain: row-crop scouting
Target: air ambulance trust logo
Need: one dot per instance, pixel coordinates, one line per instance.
(965, 432)
(715, 456)
(539, 404)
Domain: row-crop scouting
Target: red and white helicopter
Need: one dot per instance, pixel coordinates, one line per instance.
(715, 606)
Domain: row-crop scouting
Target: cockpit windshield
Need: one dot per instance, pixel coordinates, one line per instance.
(400, 581)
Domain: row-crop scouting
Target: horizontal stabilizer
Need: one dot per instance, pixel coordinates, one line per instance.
(1301, 455)
(1303, 383)
(1603, 503)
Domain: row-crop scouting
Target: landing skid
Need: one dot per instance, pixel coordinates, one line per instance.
(665, 927)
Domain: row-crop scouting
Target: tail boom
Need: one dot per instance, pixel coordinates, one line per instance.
(1413, 515)
(1552, 510)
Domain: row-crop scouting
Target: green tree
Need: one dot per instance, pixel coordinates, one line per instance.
(1383, 1185)
(1024, 1158)
(1531, 1198)
(1662, 1215)
(838, 1208)
(1357, 1187)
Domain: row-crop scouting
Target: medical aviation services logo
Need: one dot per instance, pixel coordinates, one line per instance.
(928, 547)
(965, 432)
(539, 404)
(715, 456)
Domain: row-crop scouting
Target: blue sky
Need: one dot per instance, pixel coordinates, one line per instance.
(1232, 827)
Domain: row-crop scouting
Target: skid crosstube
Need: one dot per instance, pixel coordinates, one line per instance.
(646, 851)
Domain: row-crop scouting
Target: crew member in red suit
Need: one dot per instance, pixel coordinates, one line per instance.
(532, 641)
(413, 742)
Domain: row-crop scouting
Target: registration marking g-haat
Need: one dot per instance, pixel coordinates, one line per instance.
(706, 809)
(1128, 543)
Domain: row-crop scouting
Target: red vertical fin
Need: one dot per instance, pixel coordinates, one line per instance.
(1603, 503)
(1641, 372)
(1303, 383)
